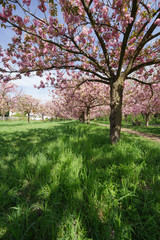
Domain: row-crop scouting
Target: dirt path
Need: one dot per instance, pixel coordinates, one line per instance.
(149, 136)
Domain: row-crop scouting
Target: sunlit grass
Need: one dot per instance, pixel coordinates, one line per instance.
(145, 129)
(142, 128)
(65, 181)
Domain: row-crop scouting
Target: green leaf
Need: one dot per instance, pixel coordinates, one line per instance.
(51, 1)
(3, 25)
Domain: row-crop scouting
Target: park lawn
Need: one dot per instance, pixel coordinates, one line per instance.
(150, 129)
(64, 180)
(142, 128)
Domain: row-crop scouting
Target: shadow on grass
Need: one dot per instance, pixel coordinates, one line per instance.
(68, 182)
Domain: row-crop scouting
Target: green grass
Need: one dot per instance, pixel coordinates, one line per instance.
(145, 129)
(65, 181)
(142, 128)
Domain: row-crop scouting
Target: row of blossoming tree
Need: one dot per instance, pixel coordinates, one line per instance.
(89, 100)
(9, 94)
(101, 41)
(12, 99)
(141, 99)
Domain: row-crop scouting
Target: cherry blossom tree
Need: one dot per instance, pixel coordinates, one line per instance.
(79, 101)
(151, 103)
(54, 109)
(94, 40)
(9, 94)
(42, 110)
(59, 109)
(100, 111)
(27, 104)
(141, 99)
(130, 101)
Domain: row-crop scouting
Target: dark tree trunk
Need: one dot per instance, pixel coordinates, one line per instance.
(126, 118)
(28, 114)
(88, 115)
(82, 117)
(116, 94)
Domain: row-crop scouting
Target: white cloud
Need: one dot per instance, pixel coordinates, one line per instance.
(28, 81)
(27, 86)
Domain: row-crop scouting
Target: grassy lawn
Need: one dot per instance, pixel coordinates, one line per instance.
(142, 128)
(64, 180)
(145, 129)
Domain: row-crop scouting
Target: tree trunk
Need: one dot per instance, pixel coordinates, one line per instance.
(147, 118)
(116, 95)
(28, 114)
(126, 118)
(133, 120)
(3, 117)
(88, 115)
(42, 117)
(82, 117)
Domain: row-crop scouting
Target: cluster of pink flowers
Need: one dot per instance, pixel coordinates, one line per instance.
(42, 6)
(27, 2)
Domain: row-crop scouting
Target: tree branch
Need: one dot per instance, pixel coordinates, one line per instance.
(93, 23)
(90, 80)
(38, 36)
(126, 36)
(152, 62)
(139, 81)
(142, 43)
(145, 24)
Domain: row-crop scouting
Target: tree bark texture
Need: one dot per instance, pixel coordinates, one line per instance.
(88, 115)
(116, 95)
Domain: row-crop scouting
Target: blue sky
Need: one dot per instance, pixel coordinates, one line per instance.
(26, 83)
